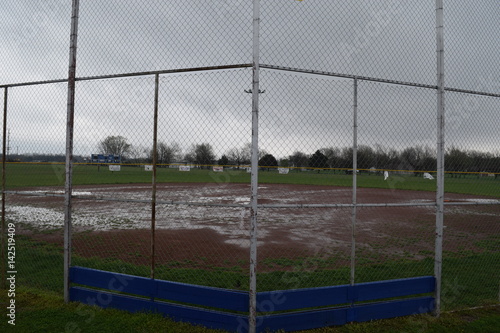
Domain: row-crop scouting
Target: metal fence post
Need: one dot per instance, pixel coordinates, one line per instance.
(4, 161)
(69, 146)
(438, 261)
(354, 178)
(252, 318)
(155, 161)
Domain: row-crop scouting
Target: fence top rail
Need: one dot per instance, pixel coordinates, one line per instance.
(375, 79)
(247, 65)
(122, 75)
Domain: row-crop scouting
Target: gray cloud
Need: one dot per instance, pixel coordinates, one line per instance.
(390, 39)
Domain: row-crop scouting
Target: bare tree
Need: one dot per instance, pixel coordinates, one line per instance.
(267, 161)
(236, 157)
(243, 155)
(332, 154)
(201, 154)
(299, 159)
(318, 160)
(116, 145)
(138, 154)
(246, 153)
(166, 154)
(366, 157)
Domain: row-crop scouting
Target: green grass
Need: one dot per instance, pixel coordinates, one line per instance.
(24, 175)
(40, 307)
(43, 311)
(467, 280)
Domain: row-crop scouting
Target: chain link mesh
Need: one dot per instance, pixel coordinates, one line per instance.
(34, 40)
(358, 38)
(472, 232)
(35, 166)
(470, 45)
(335, 77)
(163, 36)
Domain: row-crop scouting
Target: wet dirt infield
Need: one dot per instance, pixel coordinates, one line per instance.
(220, 235)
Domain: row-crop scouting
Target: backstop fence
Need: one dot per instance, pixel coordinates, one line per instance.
(256, 146)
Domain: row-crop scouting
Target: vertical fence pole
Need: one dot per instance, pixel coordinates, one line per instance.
(69, 146)
(438, 260)
(155, 160)
(354, 179)
(252, 317)
(4, 162)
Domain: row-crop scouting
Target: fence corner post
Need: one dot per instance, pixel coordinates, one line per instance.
(69, 146)
(3, 284)
(438, 256)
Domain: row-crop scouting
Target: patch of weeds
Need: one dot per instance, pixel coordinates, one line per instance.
(362, 261)
(55, 230)
(322, 262)
(190, 263)
(24, 226)
(491, 243)
(285, 262)
(270, 265)
(137, 254)
(407, 254)
(175, 263)
(426, 253)
(413, 240)
(378, 246)
(119, 223)
(466, 253)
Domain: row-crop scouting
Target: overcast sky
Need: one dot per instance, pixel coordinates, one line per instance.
(392, 40)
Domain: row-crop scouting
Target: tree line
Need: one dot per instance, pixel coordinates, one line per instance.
(418, 158)
(413, 159)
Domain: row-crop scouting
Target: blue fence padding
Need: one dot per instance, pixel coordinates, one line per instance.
(113, 281)
(173, 291)
(207, 318)
(326, 296)
(283, 300)
(393, 288)
(208, 296)
(329, 298)
(340, 316)
(392, 309)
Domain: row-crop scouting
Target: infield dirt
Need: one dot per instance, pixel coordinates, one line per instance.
(214, 236)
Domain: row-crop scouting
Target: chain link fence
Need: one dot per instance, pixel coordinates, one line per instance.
(348, 160)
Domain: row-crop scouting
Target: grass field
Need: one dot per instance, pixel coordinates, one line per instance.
(41, 308)
(22, 175)
(468, 276)
(42, 311)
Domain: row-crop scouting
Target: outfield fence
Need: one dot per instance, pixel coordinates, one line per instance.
(256, 147)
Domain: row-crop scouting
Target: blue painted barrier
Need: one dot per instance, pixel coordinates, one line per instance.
(335, 305)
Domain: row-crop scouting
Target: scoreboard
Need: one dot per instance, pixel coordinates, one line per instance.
(106, 159)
